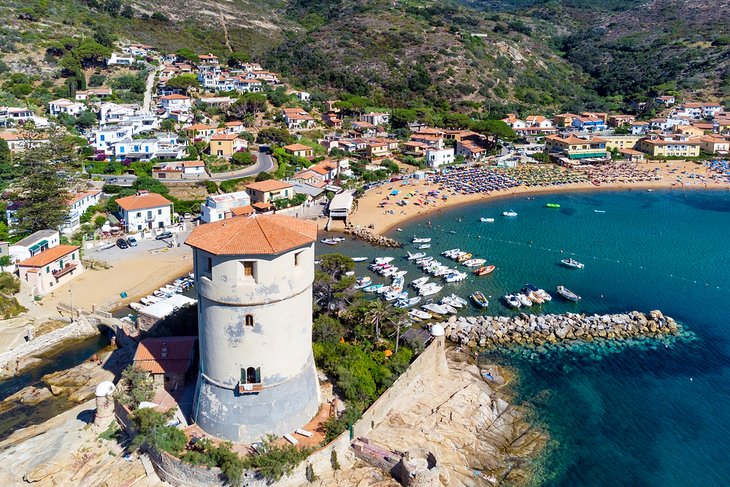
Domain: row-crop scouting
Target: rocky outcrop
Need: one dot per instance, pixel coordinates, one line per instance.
(371, 238)
(543, 330)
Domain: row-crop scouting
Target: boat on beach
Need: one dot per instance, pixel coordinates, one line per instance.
(568, 294)
(510, 213)
(479, 299)
(484, 270)
(570, 262)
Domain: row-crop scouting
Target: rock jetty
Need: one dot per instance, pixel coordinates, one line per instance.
(538, 330)
(371, 238)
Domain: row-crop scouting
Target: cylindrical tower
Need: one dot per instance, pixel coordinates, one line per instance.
(104, 403)
(254, 280)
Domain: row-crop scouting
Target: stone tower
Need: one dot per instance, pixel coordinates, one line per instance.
(254, 281)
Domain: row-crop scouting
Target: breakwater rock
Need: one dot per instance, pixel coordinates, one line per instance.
(539, 330)
(371, 238)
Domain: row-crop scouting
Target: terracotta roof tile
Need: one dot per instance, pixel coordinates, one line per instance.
(268, 185)
(142, 201)
(48, 256)
(172, 355)
(263, 234)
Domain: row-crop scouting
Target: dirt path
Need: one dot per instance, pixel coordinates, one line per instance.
(225, 27)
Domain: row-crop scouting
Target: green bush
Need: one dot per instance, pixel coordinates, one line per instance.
(243, 158)
(136, 387)
(155, 433)
(211, 187)
(273, 461)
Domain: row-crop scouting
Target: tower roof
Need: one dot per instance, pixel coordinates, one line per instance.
(258, 234)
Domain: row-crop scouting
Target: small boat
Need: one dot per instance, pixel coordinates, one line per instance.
(479, 299)
(424, 260)
(455, 277)
(509, 213)
(449, 309)
(512, 301)
(486, 220)
(484, 270)
(398, 229)
(429, 289)
(417, 314)
(458, 302)
(450, 252)
(330, 241)
(383, 260)
(424, 246)
(394, 295)
(534, 297)
(474, 262)
(568, 294)
(417, 240)
(446, 300)
(435, 309)
(399, 274)
(407, 303)
(416, 256)
(359, 259)
(350, 273)
(570, 262)
(552, 205)
(464, 257)
(419, 282)
(372, 288)
(363, 282)
(599, 211)
(524, 300)
(544, 295)
(136, 306)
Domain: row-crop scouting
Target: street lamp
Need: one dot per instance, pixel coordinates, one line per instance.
(71, 298)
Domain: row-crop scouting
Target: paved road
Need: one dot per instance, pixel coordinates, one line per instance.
(264, 163)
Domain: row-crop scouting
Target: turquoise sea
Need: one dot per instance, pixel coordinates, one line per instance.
(644, 416)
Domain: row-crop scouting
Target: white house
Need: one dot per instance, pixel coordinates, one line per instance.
(439, 157)
(302, 95)
(375, 118)
(176, 103)
(77, 205)
(116, 113)
(166, 147)
(105, 138)
(34, 244)
(62, 105)
(120, 60)
(220, 206)
(145, 211)
(13, 115)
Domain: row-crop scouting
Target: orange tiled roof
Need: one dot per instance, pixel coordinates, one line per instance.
(48, 256)
(268, 185)
(297, 147)
(224, 137)
(242, 210)
(142, 201)
(177, 351)
(79, 196)
(263, 234)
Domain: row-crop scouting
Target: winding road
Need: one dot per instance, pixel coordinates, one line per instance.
(264, 163)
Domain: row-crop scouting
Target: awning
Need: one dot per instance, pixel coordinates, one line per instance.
(38, 246)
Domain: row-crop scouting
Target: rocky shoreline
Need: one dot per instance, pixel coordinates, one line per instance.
(540, 330)
(373, 239)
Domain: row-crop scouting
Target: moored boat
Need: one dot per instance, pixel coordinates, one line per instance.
(524, 300)
(372, 288)
(420, 315)
(474, 262)
(359, 259)
(512, 301)
(417, 255)
(479, 299)
(424, 246)
(509, 213)
(383, 260)
(568, 294)
(419, 282)
(570, 262)
(552, 205)
(417, 240)
(486, 220)
(363, 282)
(484, 270)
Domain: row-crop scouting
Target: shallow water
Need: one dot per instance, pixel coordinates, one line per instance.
(643, 416)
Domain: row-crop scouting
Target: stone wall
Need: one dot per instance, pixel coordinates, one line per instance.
(432, 361)
(77, 329)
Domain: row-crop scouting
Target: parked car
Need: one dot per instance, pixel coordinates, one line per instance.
(122, 244)
(132, 241)
(163, 235)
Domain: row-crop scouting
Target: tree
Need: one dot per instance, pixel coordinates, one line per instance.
(187, 54)
(40, 187)
(137, 387)
(264, 176)
(332, 287)
(183, 82)
(395, 320)
(496, 128)
(86, 119)
(127, 12)
(5, 261)
(243, 158)
(248, 104)
(155, 433)
(91, 52)
(168, 125)
(7, 171)
(238, 58)
(327, 329)
(377, 314)
(272, 135)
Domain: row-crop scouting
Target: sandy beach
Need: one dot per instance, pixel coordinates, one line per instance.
(370, 212)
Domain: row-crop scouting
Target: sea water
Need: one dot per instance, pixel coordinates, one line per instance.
(643, 416)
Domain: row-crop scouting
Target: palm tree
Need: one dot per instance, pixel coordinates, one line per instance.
(396, 319)
(376, 315)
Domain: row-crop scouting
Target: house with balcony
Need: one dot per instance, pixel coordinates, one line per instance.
(110, 113)
(180, 170)
(144, 211)
(200, 131)
(375, 118)
(176, 103)
(51, 269)
(221, 206)
(20, 141)
(589, 123)
(118, 59)
(105, 138)
(64, 106)
(437, 157)
(78, 203)
(264, 192)
(10, 116)
(225, 145)
(576, 148)
(33, 244)
(514, 121)
(297, 119)
(670, 146)
(299, 150)
(164, 147)
(471, 149)
(715, 144)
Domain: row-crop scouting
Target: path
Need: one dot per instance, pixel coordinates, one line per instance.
(147, 104)
(225, 27)
(264, 163)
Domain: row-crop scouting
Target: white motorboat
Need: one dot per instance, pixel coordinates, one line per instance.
(544, 295)
(398, 284)
(458, 301)
(419, 282)
(395, 295)
(400, 274)
(359, 259)
(416, 256)
(568, 294)
(449, 309)
(424, 260)
(330, 241)
(448, 253)
(417, 314)
(509, 213)
(363, 282)
(417, 240)
(383, 290)
(424, 246)
(535, 298)
(430, 289)
(570, 262)
(512, 301)
(435, 308)
(372, 288)
(408, 302)
(474, 262)
(456, 277)
(486, 220)
(389, 271)
(136, 306)
(350, 273)
(524, 300)
(383, 260)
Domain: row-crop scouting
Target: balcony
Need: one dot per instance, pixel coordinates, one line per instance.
(68, 268)
(250, 388)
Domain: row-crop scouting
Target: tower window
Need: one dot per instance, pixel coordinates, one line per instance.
(209, 264)
(249, 320)
(251, 375)
(298, 258)
(248, 269)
